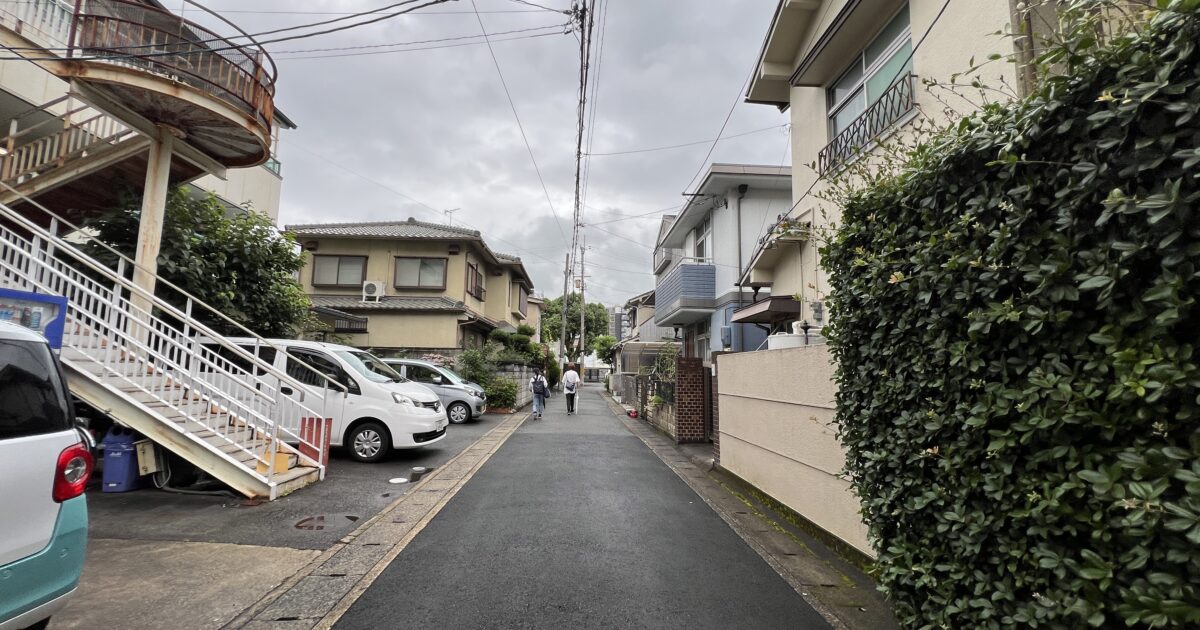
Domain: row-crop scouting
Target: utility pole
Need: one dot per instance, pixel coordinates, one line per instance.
(582, 301)
(562, 338)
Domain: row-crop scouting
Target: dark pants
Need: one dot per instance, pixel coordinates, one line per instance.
(571, 402)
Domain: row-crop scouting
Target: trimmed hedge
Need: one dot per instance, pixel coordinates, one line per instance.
(1014, 320)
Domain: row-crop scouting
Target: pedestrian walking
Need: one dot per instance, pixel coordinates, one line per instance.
(571, 381)
(541, 390)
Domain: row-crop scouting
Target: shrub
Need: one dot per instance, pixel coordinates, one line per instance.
(526, 329)
(517, 340)
(499, 336)
(1014, 321)
(501, 393)
(553, 369)
(476, 365)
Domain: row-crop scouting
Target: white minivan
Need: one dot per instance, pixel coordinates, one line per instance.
(380, 409)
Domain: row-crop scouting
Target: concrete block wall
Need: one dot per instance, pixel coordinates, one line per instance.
(519, 374)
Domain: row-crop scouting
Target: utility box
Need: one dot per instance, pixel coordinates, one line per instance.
(148, 459)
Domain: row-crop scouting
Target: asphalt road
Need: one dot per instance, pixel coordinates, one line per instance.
(574, 523)
(351, 493)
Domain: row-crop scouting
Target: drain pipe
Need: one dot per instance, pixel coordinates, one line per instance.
(741, 189)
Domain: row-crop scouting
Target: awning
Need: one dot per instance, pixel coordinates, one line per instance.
(771, 310)
(335, 313)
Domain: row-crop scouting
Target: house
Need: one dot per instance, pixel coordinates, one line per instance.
(850, 74)
(534, 317)
(638, 351)
(124, 95)
(702, 252)
(423, 287)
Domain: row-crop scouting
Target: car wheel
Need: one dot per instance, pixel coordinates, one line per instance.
(369, 442)
(458, 412)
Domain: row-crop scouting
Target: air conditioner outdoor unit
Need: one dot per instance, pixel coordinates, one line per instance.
(372, 290)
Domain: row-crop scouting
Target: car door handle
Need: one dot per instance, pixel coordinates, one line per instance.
(286, 391)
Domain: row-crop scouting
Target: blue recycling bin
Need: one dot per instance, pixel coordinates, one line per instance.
(120, 461)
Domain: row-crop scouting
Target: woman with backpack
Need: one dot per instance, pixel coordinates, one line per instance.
(541, 389)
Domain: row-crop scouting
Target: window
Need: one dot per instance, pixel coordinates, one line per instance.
(475, 282)
(878, 67)
(32, 399)
(522, 301)
(339, 271)
(422, 374)
(703, 241)
(299, 361)
(420, 273)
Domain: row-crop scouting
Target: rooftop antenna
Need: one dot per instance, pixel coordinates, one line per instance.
(450, 215)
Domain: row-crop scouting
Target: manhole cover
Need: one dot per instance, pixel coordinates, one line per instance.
(312, 523)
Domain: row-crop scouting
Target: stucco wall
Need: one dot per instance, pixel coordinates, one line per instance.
(408, 330)
(776, 409)
(255, 186)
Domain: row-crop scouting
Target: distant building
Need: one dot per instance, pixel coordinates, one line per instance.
(420, 286)
(618, 326)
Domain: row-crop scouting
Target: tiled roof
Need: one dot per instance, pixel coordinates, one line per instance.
(389, 303)
(411, 228)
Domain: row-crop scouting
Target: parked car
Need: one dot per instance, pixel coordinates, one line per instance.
(462, 399)
(381, 411)
(44, 468)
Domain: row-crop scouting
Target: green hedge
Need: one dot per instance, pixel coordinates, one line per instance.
(1014, 319)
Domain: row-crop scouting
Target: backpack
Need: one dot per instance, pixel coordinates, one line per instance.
(539, 386)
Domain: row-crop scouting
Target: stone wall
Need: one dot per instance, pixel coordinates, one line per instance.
(520, 374)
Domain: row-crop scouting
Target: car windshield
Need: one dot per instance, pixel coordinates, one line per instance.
(371, 366)
(454, 377)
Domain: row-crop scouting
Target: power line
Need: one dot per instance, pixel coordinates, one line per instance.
(526, 2)
(517, 116)
(689, 144)
(587, 167)
(421, 41)
(728, 115)
(418, 48)
(653, 214)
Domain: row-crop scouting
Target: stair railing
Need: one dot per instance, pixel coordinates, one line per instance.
(171, 345)
(31, 149)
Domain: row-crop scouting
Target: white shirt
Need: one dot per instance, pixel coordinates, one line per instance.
(570, 381)
(535, 379)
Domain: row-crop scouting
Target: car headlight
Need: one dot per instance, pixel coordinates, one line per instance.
(402, 399)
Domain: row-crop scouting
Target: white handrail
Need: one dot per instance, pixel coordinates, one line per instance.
(148, 354)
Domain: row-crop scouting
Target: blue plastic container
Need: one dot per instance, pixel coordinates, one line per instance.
(120, 462)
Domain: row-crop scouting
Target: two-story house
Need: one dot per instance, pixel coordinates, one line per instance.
(703, 251)
(850, 72)
(421, 286)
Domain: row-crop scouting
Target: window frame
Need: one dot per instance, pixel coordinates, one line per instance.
(361, 280)
(396, 276)
(702, 239)
(475, 282)
(834, 107)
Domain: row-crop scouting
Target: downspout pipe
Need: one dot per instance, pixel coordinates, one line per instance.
(741, 192)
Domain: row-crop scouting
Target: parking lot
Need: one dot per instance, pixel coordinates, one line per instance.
(139, 539)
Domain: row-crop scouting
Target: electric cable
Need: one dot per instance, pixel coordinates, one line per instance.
(688, 144)
(520, 127)
(417, 48)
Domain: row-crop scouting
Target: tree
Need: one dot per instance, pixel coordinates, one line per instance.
(597, 323)
(238, 263)
(605, 347)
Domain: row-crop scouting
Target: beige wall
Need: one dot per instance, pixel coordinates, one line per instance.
(255, 186)
(381, 256)
(776, 414)
(534, 318)
(963, 32)
(408, 330)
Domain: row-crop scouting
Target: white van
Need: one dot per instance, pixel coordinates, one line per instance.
(380, 409)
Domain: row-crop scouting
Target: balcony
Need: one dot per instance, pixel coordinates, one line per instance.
(892, 105)
(686, 294)
(136, 59)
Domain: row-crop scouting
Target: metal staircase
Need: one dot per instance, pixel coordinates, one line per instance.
(153, 365)
(45, 149)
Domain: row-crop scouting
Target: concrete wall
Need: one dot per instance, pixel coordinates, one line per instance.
(256, 186)
(408, 330)
(776, 410)
(519, 374)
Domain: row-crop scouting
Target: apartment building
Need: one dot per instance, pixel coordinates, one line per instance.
(113, 96)
(412, 285)
(702, 252)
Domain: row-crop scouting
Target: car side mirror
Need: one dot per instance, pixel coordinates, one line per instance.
(437, 379)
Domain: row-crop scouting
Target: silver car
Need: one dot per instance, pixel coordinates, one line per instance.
(462, 399)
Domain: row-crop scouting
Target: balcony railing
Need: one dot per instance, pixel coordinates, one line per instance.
(663, 257)
(897, 101)
(44, 22)
(686, 294)
(132, 34)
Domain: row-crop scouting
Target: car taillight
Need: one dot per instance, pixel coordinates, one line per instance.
(71, 474)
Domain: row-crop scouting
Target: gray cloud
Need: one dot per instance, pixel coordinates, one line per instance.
(434, 124)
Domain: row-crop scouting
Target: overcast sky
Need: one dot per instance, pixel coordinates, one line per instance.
(399, 134)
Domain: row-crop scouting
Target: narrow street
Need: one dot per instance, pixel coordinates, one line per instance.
(575, 523)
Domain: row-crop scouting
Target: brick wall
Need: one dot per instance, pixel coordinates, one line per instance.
(689, 400)
(716, 414)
